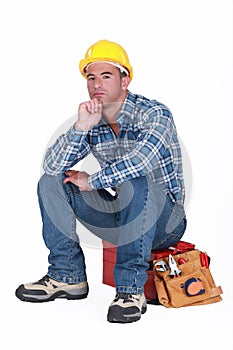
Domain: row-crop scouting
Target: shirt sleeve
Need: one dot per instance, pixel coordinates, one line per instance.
(68, 150)
(150, 147)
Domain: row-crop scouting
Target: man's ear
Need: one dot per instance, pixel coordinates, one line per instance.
(125, 82)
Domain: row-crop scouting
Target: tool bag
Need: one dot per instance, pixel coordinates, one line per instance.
(109, 260)
(188, 282)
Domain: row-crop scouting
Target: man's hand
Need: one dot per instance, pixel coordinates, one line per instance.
(78, 178)
(89, 114)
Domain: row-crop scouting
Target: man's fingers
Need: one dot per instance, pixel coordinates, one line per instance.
(71, 176)
(85, 189)
(78, 178)
(97, 105)
(67, 179)
(93, 106)
(70, 172)
(71, 179)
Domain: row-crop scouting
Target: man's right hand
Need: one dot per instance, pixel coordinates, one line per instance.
(89, 114)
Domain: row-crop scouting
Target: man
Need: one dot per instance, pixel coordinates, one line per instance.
(135, 141)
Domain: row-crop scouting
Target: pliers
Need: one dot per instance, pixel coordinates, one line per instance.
(174, 271)
(161, 266)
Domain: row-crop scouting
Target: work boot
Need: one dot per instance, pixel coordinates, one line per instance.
(47, 289)
(127, 308)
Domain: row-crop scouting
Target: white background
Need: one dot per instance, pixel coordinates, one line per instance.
(181, 52)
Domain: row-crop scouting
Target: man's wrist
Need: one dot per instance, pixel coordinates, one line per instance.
(77, 126)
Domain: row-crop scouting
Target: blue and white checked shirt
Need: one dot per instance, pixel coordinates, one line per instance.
(147, 144)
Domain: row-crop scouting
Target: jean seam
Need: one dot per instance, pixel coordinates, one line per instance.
(68, 192)
(142, 251)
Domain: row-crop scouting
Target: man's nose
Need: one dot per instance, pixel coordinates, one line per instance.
(98, 83)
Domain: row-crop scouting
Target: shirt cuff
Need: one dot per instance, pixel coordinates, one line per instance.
(76, 135)
(100, 180)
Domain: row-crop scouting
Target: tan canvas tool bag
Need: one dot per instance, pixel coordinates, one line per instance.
(185, 279)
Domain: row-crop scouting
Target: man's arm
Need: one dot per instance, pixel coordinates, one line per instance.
(150, 147)
(67, 151)
(73, 146)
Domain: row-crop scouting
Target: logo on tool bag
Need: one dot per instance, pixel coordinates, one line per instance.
(193, 286)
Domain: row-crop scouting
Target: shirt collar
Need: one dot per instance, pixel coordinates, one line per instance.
(128, 108)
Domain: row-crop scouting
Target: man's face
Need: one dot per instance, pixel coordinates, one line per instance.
(104, 83)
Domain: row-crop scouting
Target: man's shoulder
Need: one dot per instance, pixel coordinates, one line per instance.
(141, 101)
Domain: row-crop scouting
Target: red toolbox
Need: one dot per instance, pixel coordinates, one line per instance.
(109, 260)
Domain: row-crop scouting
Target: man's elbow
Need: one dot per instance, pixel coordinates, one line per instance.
(51, 170)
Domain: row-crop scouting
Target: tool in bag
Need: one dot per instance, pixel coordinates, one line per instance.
(188, 280)
(161, 266)
(174, 271)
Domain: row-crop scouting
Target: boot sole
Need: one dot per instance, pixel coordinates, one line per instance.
(21, 293)
(115, 315)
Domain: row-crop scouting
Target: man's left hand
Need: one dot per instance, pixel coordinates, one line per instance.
(78, 178)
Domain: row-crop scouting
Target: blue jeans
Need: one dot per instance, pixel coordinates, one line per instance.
(140, 217)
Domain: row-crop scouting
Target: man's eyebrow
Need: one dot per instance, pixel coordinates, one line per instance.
(106, 73)
(103, 73)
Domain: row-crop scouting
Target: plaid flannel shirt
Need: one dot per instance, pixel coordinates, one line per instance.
(147, 144)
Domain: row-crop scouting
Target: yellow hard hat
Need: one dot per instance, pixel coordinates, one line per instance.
(106, 51)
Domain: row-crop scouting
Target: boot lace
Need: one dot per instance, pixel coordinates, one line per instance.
(127, 297)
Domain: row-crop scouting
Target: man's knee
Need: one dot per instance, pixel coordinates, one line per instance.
(48, 183)
(133, 190)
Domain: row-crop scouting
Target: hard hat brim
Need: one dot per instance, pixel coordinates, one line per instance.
(85, 62)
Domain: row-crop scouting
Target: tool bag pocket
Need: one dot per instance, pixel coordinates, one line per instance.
(188, 289)
(193, 286)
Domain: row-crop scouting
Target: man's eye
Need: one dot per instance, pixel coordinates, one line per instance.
(90, 78)
(106, 76)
